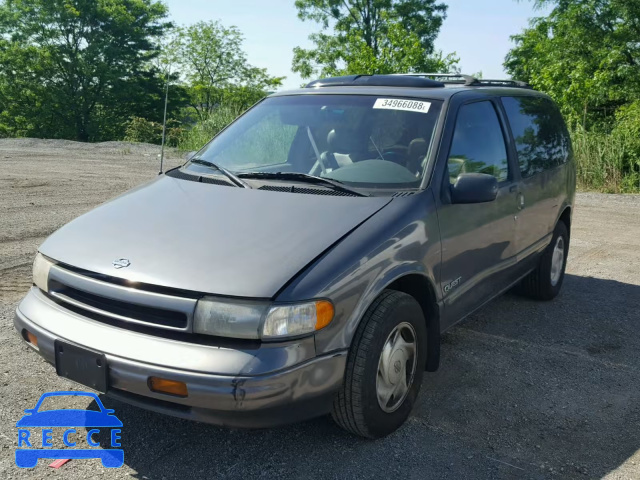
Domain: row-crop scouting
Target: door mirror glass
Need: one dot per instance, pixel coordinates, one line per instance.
(474, 188)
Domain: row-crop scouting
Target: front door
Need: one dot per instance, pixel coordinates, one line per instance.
(478, 240)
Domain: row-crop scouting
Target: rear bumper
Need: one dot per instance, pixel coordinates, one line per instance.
(272, 385)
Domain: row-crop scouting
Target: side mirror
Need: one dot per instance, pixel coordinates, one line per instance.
(474, 188)
(190, 155)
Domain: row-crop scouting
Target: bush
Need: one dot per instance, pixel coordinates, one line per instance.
(145, 131)
(608, 162)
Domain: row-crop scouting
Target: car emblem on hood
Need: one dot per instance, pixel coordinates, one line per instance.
(121, 263)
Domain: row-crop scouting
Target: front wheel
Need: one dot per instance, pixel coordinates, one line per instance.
(384, 367)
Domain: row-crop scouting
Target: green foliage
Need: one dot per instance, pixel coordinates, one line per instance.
(586, 55)
(200, 134)
(69, 67)
(373, 36)
(145, 131)
(212, 60)
(142, 130)
(605, 161)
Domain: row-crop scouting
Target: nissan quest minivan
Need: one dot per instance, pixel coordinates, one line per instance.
(307, 260)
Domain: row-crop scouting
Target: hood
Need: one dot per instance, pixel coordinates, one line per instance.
(208, 238)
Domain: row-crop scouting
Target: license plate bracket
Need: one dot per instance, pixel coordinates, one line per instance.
(82, 365)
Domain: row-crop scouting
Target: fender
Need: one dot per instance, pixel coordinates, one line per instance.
(398, 279)
(401, 239)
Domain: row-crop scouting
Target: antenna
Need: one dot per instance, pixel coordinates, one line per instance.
(164, 122)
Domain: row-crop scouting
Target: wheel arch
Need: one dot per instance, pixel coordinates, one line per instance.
(421, 288)
(565, 217)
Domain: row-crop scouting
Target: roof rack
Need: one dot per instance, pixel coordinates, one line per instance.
(467, 80)
(376, 81)
(413, 80)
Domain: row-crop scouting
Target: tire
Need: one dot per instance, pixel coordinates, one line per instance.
(357, 408)
(544, 283)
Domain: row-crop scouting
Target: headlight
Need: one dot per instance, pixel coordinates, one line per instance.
(229, 318)
(256, 319)
(293, 320)
(41, 267)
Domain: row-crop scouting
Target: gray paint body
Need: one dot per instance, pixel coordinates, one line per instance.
(209, 239)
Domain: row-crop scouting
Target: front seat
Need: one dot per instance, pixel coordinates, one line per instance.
(343, 148)
(416, 153)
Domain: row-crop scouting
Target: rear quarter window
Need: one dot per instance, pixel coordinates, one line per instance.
(539, 132)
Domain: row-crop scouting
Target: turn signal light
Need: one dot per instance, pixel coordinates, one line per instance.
(324, 313)
(31, 338)
(169, 387)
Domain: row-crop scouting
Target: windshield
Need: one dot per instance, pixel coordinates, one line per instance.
(357, 140)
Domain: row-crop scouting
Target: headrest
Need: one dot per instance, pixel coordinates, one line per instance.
(342, 140)
(417, 148)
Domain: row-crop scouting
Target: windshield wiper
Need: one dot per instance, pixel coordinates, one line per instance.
(230, 175)
(304, 177)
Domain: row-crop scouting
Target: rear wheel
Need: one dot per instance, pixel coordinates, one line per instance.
(384, 367)
(545, 282)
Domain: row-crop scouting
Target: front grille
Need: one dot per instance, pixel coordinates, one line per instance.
(140, 313)
(108, 302)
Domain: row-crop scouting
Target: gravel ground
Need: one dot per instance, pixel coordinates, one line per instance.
(525, 390)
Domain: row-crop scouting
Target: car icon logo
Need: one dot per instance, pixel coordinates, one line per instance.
(121, 263)
(28, 453)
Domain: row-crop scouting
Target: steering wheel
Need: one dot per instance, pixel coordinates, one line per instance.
(396, 154)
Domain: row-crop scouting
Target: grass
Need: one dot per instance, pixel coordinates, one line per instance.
(607, 162)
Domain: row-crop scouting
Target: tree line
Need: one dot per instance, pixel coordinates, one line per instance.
(95, 70)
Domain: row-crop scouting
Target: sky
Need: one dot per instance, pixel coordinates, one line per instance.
(477, 31)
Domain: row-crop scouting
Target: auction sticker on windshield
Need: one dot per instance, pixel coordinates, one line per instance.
(400, 104)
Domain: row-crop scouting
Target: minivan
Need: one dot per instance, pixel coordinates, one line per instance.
(307, 260)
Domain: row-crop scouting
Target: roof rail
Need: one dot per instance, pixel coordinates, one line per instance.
(444, 77)
(413, 80)
(376, 81)
(504, 83)
(467, 80)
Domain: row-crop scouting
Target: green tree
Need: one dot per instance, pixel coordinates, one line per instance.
(216, 68)
(372, 36)
(65, 62)
(585, 54)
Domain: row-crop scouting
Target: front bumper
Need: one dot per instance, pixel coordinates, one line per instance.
(260, 386)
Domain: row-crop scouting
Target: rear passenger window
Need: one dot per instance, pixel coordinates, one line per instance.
(539, 132)
(478, 144)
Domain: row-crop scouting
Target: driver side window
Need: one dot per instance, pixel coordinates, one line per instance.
(478, 144)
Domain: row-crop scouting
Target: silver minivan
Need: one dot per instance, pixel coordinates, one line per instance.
(307, 259)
